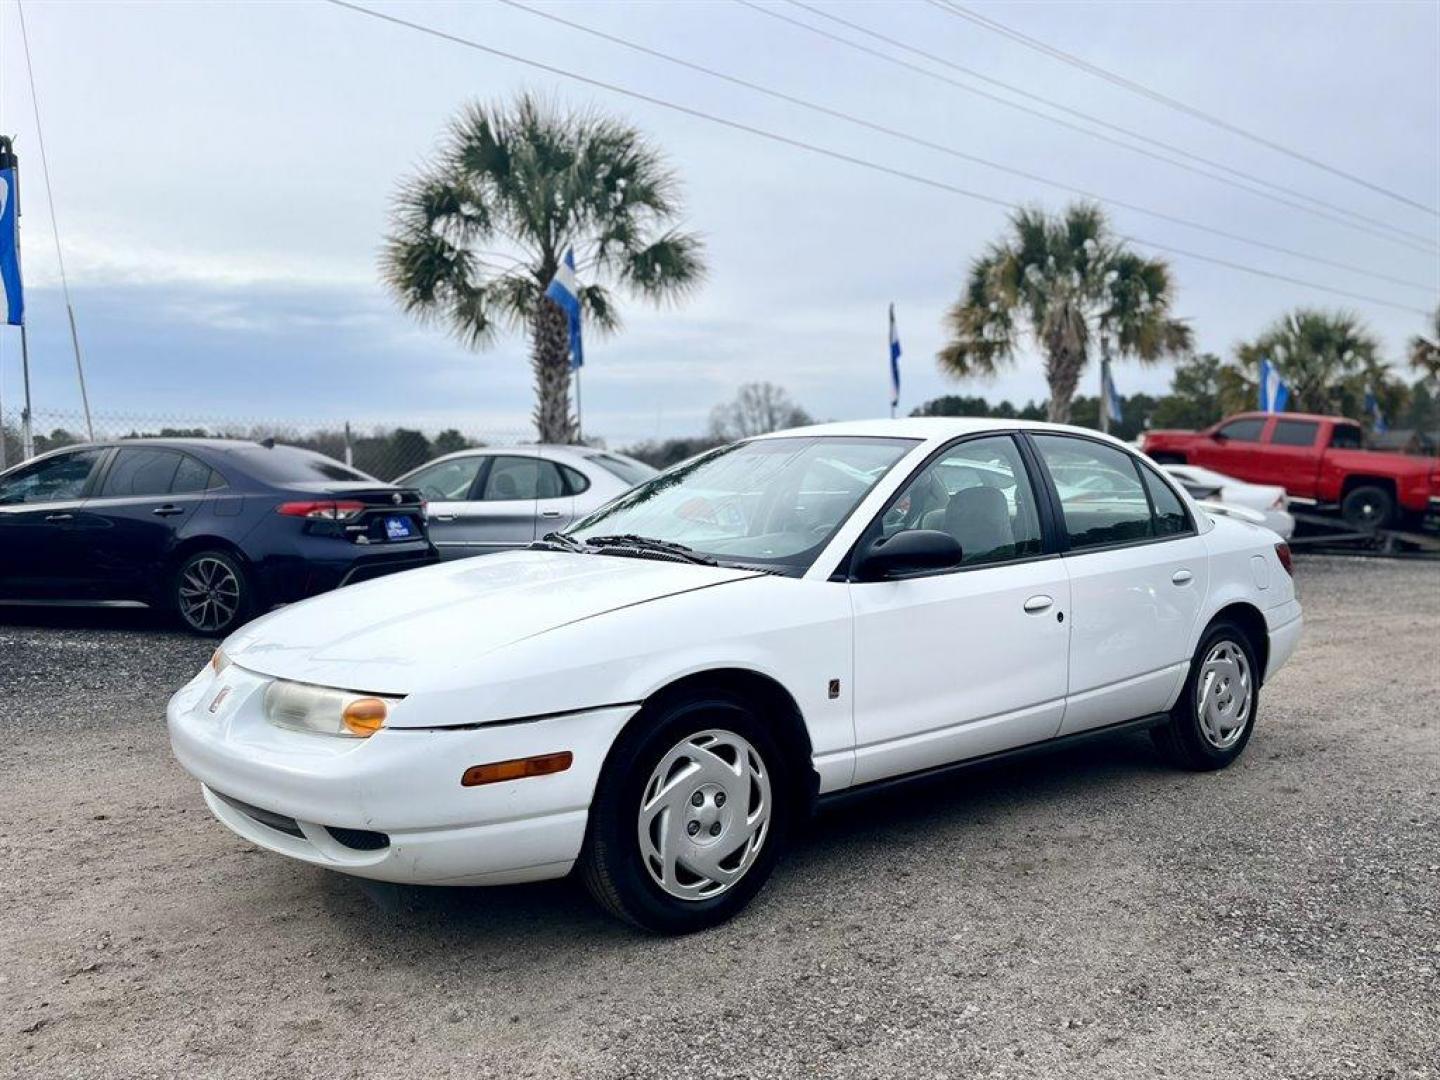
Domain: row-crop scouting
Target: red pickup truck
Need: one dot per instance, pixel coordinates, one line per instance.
(1319, 459)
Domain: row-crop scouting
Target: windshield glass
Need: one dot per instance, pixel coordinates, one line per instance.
(768, 502)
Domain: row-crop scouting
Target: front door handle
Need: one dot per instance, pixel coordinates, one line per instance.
(549, 513)
(1181, 577)
(1037, 604)
(168, 510)
(59, 517)
(442, 517)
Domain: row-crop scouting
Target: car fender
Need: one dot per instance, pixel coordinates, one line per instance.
(624, 657)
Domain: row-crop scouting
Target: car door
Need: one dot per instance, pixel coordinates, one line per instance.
(500, 512)
(38, 504)
(1138, 574)
(449, 486)
(127, 528)
(1290, 458)
(1235, 448)
(972, 660)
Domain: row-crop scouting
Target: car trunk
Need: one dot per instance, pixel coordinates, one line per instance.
(364, 513)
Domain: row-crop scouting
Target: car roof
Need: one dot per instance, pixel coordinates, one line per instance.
(936, 428)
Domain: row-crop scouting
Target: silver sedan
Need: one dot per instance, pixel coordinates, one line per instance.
(496, 498)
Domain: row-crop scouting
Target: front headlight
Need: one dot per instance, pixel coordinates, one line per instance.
(324, 711)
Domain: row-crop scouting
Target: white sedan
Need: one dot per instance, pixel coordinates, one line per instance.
(1270, 502)
(659, 697)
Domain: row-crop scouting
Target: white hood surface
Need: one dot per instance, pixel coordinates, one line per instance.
(385, 636)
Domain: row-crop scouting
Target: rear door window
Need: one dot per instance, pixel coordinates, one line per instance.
(1100, 493)
(1294, 433)
(194, 476)
(1347, 437)
(513, 478)
(140, 471)
(1171, 518)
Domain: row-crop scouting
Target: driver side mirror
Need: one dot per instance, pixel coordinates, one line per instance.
(914, 551)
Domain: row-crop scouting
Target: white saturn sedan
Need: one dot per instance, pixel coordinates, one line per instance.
(658, 696)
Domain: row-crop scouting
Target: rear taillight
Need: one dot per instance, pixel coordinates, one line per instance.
(1282, 552)
(325, 510)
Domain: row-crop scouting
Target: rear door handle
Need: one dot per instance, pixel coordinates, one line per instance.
(1181, 577)
(1037, 604)
(549, 513)
(168, 510)
(442, 517)
(59, 517)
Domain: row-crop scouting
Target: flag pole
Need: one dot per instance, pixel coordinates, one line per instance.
(579, 411)
(27, 436)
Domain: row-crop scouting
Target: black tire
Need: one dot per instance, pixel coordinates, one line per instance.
(228, 603)
(1368, 506)
(1183, 739)
(612, 863)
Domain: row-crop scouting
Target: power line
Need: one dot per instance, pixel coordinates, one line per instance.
(1330, 210)
(54, 222)
(837, 155)
(1174, 103)
(954, 151)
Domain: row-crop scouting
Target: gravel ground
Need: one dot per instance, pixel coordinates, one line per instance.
(1086, 914)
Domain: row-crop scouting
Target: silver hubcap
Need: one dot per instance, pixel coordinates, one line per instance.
(704, 814)
(1222, 695)
(209, 594)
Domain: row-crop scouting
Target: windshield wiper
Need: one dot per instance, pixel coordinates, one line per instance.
(559, 541)
(650, 544)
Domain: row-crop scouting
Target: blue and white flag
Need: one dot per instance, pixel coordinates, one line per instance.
(1372, 406)
(1112, 399)
(894, 361)
(1274, 391)
(12, 298)
(565, 291)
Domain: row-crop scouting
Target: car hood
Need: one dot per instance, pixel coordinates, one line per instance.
(390, 635)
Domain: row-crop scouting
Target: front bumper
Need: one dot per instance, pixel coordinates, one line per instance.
(315, 794)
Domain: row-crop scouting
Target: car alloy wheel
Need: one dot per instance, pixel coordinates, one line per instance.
(1222, 695)
(704, 815)
(209, 595)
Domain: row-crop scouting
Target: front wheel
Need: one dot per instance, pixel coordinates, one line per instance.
(212, 593)
(1211, 722)
(689, 816)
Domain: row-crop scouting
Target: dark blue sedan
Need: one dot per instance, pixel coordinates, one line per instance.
(216, 530)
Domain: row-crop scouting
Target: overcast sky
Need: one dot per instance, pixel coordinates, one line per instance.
(222, 172)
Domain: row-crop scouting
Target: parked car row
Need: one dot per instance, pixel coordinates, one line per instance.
(215, 530)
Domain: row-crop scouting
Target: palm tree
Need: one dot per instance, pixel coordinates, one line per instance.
(1326, 357)
(1425, 352)
(1065, 280)
(478, 233)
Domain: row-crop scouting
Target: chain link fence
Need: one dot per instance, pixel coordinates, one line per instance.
(383, 448)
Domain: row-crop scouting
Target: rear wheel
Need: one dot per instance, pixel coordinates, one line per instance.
(1368, 506)
(212, 593)
(689, 816)
(1210, 724)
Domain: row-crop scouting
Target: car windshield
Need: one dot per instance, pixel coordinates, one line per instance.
(767, 502)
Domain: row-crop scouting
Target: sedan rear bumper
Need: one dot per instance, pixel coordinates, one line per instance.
(390, 807)
(1285, 624)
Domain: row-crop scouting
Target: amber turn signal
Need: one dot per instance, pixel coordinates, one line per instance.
(516, 769)
(365, 716)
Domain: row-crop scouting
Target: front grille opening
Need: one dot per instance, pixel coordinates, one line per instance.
(359, 839)
(279, 822)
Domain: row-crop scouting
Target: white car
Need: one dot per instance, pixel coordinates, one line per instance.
(659, 697)
(495, 498)
(1267, 500)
